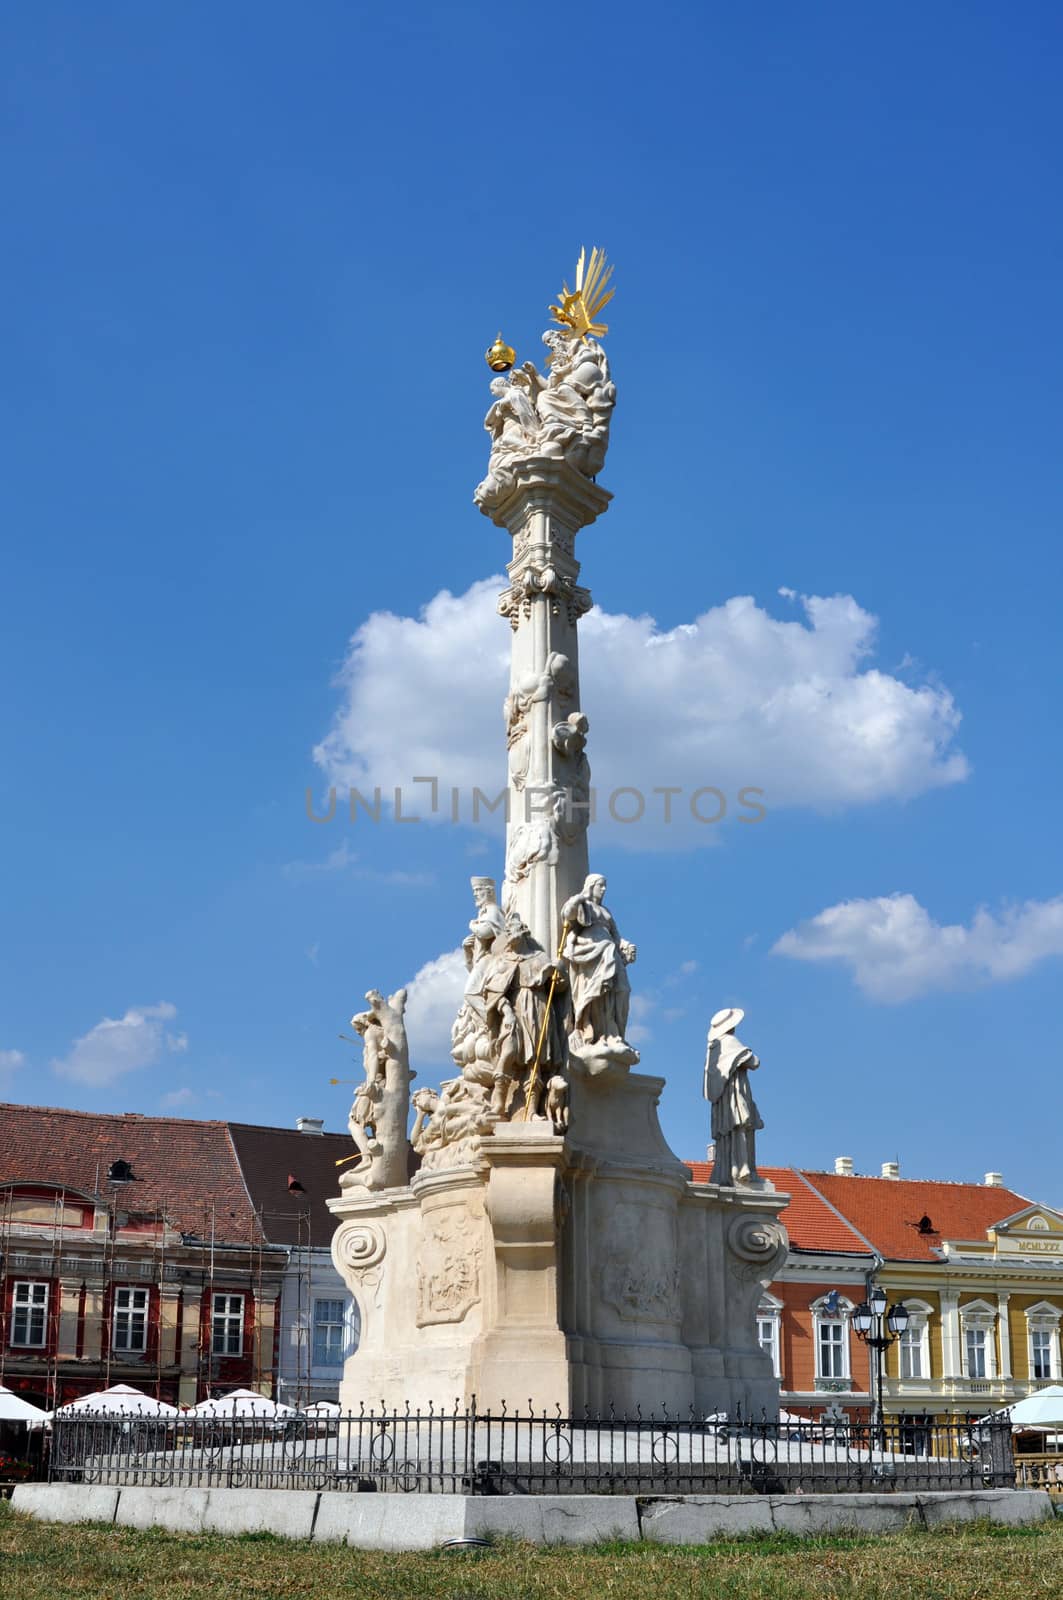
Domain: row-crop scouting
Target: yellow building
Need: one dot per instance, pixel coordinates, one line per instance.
(980, 1270)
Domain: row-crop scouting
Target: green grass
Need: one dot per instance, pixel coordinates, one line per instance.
(41, 1561)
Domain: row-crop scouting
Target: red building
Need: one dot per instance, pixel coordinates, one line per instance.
(150, 1250)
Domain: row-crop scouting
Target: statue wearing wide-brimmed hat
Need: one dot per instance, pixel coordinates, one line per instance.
(735, 1118)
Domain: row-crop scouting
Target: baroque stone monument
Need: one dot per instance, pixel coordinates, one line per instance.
(550, 1248)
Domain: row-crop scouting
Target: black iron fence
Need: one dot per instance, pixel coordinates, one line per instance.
(466, 1452)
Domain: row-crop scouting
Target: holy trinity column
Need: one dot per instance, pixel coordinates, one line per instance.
(549, 435)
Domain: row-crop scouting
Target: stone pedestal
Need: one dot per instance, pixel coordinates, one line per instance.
(578, 1272)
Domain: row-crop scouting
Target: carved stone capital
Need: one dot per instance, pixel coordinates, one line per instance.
(357, 1247)
(551, 486)
(757, 1246)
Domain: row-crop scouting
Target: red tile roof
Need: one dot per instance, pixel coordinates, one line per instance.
(887, 1211)
(811, 1223)
(180, 1167)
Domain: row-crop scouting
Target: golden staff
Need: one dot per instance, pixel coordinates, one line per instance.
(533, 1079)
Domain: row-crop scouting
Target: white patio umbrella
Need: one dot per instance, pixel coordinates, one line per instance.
(323, 1408)
(119, 1399)
(1041, 1410)
(242, 1403)
(14, 1409)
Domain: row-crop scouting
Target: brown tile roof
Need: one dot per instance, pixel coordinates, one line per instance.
(270, 1157)
(811, 1223)
(180, 1166)
(887, 1211)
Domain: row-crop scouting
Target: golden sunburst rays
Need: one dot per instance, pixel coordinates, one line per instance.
(579, 308)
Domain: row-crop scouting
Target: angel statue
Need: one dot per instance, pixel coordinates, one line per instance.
(735, 1118)
(378, 1116)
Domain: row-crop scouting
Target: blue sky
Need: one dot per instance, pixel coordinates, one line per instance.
(253, 257)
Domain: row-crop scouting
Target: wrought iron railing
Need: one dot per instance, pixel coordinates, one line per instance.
(468, 1452)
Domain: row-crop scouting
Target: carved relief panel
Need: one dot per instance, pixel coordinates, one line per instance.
(640, 1266)
(449, 1265)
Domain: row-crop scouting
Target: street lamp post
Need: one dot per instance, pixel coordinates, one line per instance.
(878, 1328)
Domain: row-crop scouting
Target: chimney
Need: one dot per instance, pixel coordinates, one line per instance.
(994, 1180)
(891, 1169)
(843, 1166)
(310, 1124)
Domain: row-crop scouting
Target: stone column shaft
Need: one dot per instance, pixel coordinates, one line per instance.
(70, 1298)
(1004, 1335)
(951, 1364)
(169, 1315)
(548, 778)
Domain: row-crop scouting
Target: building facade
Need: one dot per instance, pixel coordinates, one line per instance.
(158, 1252)
(978, 1267)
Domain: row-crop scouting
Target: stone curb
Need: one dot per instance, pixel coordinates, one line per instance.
(424, 1521)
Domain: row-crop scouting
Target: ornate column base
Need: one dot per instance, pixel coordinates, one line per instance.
(585, 1272)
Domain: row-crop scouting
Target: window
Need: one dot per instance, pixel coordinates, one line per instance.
(130, 1320)
(978, 1321)
(975, 1343)
(832, 1350)
(1042, 1332)
(913, 1346)
(766, 1337)
(830, 1333)
(328, 1333)
(227, 1326)
(911, 1353)
(1040, 1353)
(768, 1314)
(1038, 1225)
(29, 1309)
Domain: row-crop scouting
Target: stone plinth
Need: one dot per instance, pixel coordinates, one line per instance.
(584, 1271)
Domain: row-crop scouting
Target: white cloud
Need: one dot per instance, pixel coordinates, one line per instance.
(10, 1061)
(178, 1097)
(895, 951)
(735, 698)
(116, 1046)
(433, 998)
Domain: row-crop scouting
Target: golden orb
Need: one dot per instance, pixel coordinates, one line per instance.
(501, 356)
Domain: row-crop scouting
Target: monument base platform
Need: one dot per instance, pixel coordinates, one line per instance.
(572, 1274)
